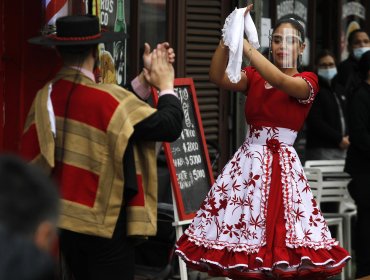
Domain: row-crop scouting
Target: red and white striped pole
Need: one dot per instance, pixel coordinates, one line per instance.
(55, 9)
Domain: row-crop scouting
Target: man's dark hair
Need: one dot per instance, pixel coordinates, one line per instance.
(352, 35)
(75, 55)
(364, 65)
(27, 196)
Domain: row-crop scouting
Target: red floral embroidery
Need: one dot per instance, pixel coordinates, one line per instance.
(251, 181)
(254, 131)
(223, 204)
(302, 178)
(236, 207)
(213, 211)
(298, 214)
(235, 186)
(273, 144)
(256, 222)
(222, 189)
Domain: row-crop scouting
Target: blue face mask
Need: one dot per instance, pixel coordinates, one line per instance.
(327, 73)
(357, 53)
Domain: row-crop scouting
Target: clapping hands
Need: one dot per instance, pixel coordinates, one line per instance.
(147, 56)
(158, 69)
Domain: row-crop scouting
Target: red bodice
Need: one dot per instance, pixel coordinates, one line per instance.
(267, 106)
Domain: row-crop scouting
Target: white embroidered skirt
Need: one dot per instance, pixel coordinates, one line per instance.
(259, 220)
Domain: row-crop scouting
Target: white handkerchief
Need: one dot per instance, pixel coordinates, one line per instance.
(232, 35)
(251, 31)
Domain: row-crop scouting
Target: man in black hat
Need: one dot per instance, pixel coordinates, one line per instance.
(97, 140)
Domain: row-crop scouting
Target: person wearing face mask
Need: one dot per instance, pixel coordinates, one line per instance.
(358, 44)
(326, 123)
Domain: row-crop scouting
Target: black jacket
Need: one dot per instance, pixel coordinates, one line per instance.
(358, 155)
(348, 75)
(324, 127)
(164, 125)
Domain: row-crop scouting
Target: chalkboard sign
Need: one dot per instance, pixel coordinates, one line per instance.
(187, 157)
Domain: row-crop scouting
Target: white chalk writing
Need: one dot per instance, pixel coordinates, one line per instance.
(107, 7)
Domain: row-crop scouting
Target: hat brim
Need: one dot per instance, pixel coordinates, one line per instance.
(105, 37)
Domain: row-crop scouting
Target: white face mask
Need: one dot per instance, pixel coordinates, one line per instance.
(327, 73)
(357, 53)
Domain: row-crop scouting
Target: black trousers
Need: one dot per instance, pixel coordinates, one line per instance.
(359, 188)
(96, 258)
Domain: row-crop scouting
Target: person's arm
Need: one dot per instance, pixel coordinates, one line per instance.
(140, 87)
(163, 125)
(293, 86)
(217, 72)
(344, 144)
(166, 123)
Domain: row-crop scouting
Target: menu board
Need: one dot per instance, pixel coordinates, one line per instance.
(187, 157)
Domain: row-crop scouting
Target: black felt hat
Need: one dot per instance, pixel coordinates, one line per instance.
(77, 30)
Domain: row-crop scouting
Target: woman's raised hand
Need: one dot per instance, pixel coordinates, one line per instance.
(249, 8)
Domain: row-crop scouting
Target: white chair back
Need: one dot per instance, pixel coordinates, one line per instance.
(326, 166)
(334, 191)
(335, 181)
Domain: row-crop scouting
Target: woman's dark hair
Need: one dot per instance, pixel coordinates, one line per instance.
(323, 53)
(297, 25)
(364, 65)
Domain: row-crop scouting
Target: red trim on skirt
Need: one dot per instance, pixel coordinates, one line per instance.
(275, 259)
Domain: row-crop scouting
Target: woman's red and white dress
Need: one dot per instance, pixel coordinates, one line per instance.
(259, 220)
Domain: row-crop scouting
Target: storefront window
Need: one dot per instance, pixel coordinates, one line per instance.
(114, 16)
(152, 22)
